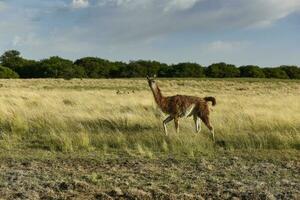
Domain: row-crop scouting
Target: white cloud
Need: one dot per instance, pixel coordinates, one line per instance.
(158, 17)
(127, 4)
(16, 40)
(173, 5)
(133, 26)
(2, 6)
(80, 3)
(226, 46)
(270, 11)
(29, 39)
(161, 5)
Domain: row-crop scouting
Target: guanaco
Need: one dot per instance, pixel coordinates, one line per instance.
(180, 106)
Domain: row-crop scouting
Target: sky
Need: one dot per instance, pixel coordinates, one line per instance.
(241, 32)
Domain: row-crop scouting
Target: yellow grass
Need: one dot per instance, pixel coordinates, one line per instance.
(63, 115)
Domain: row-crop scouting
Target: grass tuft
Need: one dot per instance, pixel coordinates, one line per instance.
(249, 115)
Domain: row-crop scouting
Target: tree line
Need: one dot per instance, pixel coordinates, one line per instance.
(13, 65)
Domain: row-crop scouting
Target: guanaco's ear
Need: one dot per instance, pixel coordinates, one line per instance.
(148, 77)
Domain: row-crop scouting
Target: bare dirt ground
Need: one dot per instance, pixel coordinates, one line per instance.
(227, 175)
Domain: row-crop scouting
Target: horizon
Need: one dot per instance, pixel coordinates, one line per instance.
(262, 33)
(128, 62)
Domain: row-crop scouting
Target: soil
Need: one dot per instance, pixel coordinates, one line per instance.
(226, 176)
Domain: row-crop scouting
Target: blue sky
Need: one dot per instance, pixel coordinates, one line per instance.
(261, 32)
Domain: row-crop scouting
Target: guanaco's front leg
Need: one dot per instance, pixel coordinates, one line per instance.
(167, 120)
(197, 123)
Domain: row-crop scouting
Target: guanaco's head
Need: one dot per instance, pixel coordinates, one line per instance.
(151, 82)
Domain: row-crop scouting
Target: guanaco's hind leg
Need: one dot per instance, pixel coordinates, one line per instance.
(206, 121)
(167, 120)
(176, 121)
(197, 123)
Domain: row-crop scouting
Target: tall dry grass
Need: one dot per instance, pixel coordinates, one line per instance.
(121, 116)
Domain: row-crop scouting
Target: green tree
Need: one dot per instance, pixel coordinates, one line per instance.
(6, 72)
(188, 70)
(275, 73)
(134, 69)
(222, 70)
(95, 67)
(56, 67)
(141, 68)
(151, 67)
(166, 71)
(292, 71)
(252, 71)
(12, 59)
(25, 68)
(28, 69)
(116, 69)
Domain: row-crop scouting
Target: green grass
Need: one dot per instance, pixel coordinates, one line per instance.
(88, 115)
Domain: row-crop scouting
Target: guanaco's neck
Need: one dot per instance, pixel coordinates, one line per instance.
(157, 95)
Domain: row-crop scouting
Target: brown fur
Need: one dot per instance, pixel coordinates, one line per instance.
(179, 106)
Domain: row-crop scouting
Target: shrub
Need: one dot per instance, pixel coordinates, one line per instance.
(56, 67)
(275, 73)
(166, 71)
(292, 71)
(251, 71)
(12, 59)
(141, 68)
(222, 70)
(7, 73)
(188, 70)
(95, 67)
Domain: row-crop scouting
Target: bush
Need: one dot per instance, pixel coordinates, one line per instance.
(56, 67)
(95, 67)
(275, 73)
(141, 68)
(12, 59)
(188, 70)
(166, 71)
(7, 73)
(251, 71)
(151, 67)
(29, 69)
(117, 69)
(134, 69)
(292, 71)
(222, 70)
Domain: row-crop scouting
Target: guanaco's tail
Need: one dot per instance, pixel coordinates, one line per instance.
(212, 99)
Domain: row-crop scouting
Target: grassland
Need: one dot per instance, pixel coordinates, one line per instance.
(107, 136)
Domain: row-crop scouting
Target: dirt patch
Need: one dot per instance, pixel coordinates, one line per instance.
(222, 177)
